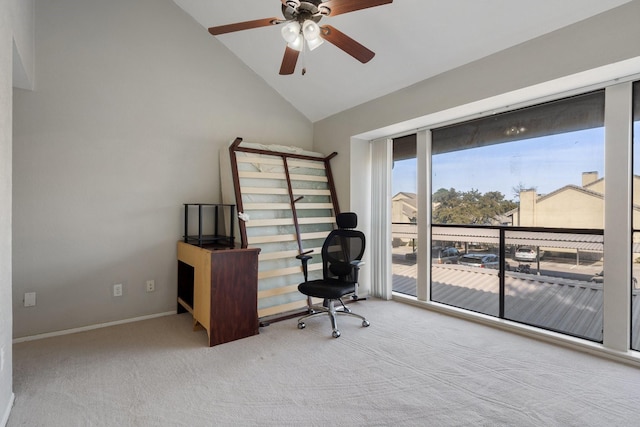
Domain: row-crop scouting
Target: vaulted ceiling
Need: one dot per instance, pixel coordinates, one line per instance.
(413, 40)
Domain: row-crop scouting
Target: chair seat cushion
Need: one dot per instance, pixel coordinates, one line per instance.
(330, 289)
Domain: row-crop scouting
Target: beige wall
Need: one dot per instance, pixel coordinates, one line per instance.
(397, 214)
(133, 100)
(16, 53)
(527, 210)
(400, 209)
(636, 191)
(598, 186)
(589, 178)
(570, 208)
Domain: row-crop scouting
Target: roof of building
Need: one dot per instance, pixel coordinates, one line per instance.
(404, 196)
(577, 188)
(592, 183)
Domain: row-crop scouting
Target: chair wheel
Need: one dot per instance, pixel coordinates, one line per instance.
(365, 323)
(301, 325)
(335, 333)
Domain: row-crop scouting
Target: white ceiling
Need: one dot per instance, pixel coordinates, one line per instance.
(413, 40)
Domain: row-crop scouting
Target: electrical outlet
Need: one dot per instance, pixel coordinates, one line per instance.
(29, 299)
(117, 290)
(151, 285)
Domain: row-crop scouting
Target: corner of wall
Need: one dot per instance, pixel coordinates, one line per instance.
(7, 411)
(22, 78)
(23, 16)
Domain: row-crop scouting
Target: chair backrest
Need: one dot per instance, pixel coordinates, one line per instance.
(341, 247)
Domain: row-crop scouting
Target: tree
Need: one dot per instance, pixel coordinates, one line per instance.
(519, 188)
(470, 207)
(443, 194)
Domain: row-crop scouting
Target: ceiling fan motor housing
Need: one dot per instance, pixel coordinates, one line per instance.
(303, 10)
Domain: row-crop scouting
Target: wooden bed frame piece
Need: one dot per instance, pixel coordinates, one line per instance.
(283, 229)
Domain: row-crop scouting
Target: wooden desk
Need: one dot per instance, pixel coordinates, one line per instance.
(219, 287)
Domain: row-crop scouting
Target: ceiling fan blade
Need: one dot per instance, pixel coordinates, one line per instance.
(346, 43)
(247, 25)
(338, 7)
(289, 61)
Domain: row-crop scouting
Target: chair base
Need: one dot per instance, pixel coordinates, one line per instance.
(328, 308)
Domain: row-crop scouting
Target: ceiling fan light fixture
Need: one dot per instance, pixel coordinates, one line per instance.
(297, 43)
(291, 32)
(312, 44)
(310, 30)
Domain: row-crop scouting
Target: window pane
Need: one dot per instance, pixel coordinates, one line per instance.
(541, 166)
(560, 293)
(404, 215)
(469, 279)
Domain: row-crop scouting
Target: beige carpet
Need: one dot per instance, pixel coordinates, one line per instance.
(411, 367)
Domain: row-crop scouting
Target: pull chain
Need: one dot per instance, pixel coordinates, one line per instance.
(304, 56)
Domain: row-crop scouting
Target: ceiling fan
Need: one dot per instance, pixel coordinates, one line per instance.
(301, 28)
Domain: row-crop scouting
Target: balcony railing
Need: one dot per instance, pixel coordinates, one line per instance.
(548, 278)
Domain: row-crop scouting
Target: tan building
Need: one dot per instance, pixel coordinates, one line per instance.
(404, 208)
(570, 206)
(404, 215)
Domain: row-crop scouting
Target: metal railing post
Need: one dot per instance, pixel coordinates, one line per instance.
(501, 275)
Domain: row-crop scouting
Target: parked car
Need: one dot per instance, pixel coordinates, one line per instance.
(444, 255)
(480, 260)
(527, 253)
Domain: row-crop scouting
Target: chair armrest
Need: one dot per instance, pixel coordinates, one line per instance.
(357, 263)
(304, 258)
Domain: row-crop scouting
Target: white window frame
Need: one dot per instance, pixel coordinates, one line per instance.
(616, 80)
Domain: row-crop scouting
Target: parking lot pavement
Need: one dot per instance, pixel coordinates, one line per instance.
(565, 270)
(554, 268)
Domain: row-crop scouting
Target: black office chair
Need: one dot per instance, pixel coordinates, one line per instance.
(341, 260)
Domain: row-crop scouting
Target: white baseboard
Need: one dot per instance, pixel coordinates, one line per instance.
(7, 411)
(91, 327)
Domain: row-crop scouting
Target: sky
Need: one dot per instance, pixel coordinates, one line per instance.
(546, 163)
